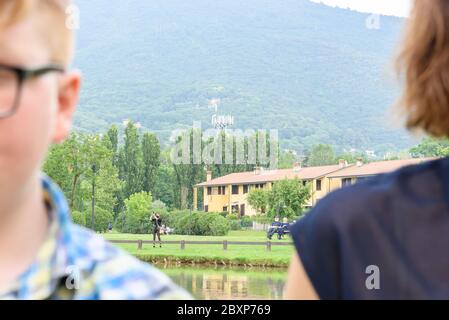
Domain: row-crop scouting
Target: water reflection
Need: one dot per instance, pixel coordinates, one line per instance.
(229, 283)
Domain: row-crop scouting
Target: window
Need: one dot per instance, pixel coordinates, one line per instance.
(223, 190)
(318, 185)
(209, 191)
(225, 209)
(206, 208)
(346, 182)
(304, 182)
(245, 188)
(235, 189)
(235, 208)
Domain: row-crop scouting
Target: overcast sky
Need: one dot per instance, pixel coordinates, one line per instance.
(399, 8)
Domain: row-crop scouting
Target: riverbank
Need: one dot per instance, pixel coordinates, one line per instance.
(247, 256)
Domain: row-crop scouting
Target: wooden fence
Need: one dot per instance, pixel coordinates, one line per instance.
(224, 243)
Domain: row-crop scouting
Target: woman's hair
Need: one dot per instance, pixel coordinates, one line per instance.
(424, 64)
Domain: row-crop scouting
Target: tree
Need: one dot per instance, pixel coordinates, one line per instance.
(287, 198)
(353, 157)
(321, 155)
(97, 152)
(151, 160)
(136, 217)
(102, 219)
(286, 160)
(443, 152)
(70, 165)
(112, 136)
(65, 165)
(79, 218)
(166, 189)
(131, 163)
(214, 157)
(258, 199)
(186, 174)
(430, 147)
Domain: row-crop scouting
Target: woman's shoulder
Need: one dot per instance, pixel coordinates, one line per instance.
(350, 223)
(381, 194)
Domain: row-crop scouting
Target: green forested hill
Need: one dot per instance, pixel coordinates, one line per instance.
(315, 73)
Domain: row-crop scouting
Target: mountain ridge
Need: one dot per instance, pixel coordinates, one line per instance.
(314, 72)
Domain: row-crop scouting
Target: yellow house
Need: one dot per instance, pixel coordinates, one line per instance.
(229, 193)
(361, 171)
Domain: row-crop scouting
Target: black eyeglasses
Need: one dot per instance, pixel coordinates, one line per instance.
(12, 80)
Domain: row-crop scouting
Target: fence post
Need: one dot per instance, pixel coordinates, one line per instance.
(139, 244)
(268, 245)
(225, 244)
(183, 244)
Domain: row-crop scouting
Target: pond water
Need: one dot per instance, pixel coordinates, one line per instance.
(229, 283)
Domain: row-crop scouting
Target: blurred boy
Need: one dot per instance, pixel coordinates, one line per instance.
(43, 254)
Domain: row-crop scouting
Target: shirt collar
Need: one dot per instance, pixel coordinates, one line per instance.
(40, 280)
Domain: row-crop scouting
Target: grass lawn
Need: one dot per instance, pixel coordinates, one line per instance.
(211, 254)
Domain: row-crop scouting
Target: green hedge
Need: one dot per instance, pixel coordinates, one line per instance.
(101, 219)
(79, 218)
(198, 223)
(235, 224)
(246, 222)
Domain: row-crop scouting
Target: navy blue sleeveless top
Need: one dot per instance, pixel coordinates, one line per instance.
(383, 238)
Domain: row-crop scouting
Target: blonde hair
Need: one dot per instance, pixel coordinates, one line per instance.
(60, 37)
(424, 63)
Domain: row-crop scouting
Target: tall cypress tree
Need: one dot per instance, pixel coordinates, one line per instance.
(151, 152)
(131, 162)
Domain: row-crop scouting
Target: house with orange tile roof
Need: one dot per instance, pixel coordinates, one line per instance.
(361, 171)
(229, 193)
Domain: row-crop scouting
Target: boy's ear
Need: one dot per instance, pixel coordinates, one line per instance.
(68, 96)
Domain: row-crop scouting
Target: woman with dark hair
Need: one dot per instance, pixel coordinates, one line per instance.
(388, 237)
(157, 222)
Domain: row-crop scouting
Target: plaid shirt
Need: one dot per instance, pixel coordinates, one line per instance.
(75, 263)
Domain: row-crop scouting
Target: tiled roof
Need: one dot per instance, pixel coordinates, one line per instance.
(306, 173)
(375, 168)
(309, 173)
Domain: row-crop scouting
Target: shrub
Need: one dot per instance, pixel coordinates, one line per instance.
(224, 214)
(102, 218)
(79, 218)
(188, 224)
(235, 224)
(120, 223)
(137, 215)
(213, 224)
(159, 205)
(172, 218)
(262, 219)
(202, 224)
(246, 222)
